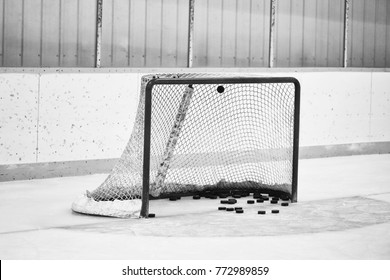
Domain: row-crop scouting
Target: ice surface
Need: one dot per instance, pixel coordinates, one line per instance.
(342, 213)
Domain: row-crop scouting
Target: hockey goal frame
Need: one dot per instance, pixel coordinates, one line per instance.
(218, 80)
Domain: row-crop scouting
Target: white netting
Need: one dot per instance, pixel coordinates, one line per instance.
(203, 139)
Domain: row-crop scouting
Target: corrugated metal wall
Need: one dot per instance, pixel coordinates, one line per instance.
(309, 33)
(149, 33)
(227, 33)
(37, 33)
(231, 33)
(369, 34)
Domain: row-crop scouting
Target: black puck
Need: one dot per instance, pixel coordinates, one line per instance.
(275, 211)
(236, 195)
(220, 89)
(221, 208)
(260, 200)
(265, 198)
(224, 202)
(237, 208)
(240, 211)
(274, 202)
(213, 196)
(151, 215)
(257, 195)
(261, 212)
(230, 209)
(172, 198)
(232, 201)
(196, 197)
(275, 198)
(284, 204)
(250, 202)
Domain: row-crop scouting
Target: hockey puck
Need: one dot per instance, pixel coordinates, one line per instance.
(220, 89)
(261, 212)
(260, 200)
(274, 202)
(232, 201)
(196, 197)
(265, 198)
(224, 202)
(221, 208)
(151, 215)
(275, 198)
(240, 211)
(250, 201)
(213, 196)
(284, 204)
(230, 209)
(172, 198)
(237, 208)
(275, 211)
(257, 195)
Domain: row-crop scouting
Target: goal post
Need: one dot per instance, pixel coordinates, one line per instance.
(202, 134)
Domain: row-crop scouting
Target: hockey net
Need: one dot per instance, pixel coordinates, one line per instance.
(208, 134)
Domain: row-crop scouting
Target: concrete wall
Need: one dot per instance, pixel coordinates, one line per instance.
(66, 116)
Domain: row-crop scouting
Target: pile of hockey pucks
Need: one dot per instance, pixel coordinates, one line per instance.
(231, 198)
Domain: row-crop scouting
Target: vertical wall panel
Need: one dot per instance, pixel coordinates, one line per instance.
(153, 34)
(169, 33)
(214, 54)
(283, 33)
(387, 34)
(369, 39)
(120, 32)
(182, 33)
(32, 33)
(309, 31)
(1, 31)
(141, 33)
(13, 33)
(137, 33)
(296, 39)
(335, 33)
(356, 41)
(369, 33)
(107, 34)
(50, 33)
(69, 32)
(243, 34)
(229, 33)
(380, 30)
(260, 24)
(87, 33)
(201, 24)
(321, 34)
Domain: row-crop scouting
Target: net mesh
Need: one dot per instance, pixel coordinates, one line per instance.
(204, 138)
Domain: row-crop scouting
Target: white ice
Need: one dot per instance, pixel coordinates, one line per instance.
(343, 212)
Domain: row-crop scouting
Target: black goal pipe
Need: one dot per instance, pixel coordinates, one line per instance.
(146, 157)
